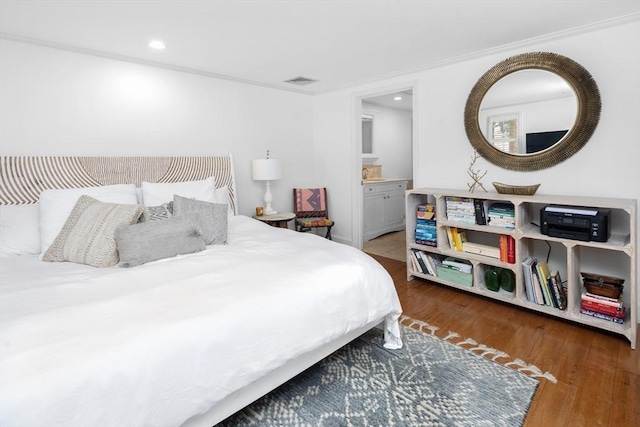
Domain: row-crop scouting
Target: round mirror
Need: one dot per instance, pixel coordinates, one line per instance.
(532, 111)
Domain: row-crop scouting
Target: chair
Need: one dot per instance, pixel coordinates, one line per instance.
(311, 209)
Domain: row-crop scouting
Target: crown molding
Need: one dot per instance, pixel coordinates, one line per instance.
(437, 64)
(614, 22)
(149, 63)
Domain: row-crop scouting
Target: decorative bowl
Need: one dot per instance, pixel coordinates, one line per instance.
(522, 190)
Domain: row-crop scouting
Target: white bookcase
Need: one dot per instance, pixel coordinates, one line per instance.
(616, 257)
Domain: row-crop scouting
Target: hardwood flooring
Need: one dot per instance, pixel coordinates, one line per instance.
(598, 374)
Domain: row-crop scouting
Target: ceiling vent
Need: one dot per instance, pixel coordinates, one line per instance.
(300, 81)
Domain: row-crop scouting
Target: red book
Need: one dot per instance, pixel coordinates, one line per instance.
(511, 250)
(503, 248)
(602, 308)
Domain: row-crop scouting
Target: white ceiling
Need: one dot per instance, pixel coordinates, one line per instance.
(338, 43)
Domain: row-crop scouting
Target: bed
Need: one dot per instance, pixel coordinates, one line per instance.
(185, 340)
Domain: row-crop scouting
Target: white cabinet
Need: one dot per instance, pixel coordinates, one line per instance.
(616, 257)
(384, 207)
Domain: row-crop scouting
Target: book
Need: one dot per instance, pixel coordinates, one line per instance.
(459, 237)
(477, 248)
(421, 264)
(460, 209)
(452, 243)
(586, 296)
(556, 287)
(425, 261)
(603, 299)
(503, 248)
(528, 279)
(427, 212)
(601, 316)
(478, 206)
(537, 289)
(511, 250)
(435, 261)
(542, 269)
(604, 309)
(414, 263)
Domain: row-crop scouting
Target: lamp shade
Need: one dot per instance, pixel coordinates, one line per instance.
(266, 169)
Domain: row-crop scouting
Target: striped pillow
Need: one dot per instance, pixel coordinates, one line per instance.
(88, 236)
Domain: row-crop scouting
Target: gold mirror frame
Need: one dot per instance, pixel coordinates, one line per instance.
(587, 118)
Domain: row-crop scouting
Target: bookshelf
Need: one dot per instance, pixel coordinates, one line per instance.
(616, 257)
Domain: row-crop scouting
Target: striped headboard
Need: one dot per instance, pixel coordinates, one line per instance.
(22, 179)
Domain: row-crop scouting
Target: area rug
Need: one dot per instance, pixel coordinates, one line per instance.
(429, 382)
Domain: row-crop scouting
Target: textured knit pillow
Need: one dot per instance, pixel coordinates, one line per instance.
(150, 241)
(213, 217)
(88, 236)
(56, 205)
(55, 253)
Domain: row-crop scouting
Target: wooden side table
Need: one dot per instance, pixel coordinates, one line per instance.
(277, 220)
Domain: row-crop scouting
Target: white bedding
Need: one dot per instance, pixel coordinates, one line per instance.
(155, 344)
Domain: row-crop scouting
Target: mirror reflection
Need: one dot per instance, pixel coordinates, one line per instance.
(527, 111)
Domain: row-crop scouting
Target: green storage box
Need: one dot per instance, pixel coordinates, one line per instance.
(453, 274)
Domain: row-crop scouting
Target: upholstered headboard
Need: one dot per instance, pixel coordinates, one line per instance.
(22, 179)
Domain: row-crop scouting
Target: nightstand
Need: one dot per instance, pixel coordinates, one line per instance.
(277, 220)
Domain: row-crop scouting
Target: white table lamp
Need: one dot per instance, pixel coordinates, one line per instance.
(267, 170)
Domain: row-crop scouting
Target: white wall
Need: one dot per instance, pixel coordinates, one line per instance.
(392, 142)
(62, 103)
(608, 165)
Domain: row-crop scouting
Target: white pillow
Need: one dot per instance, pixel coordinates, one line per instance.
(222, 196)
(19, 229)
(56, 205)
(155, 194)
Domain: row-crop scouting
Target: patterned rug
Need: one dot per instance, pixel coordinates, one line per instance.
(429, 382)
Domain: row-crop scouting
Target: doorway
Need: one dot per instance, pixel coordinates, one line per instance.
(387, 141)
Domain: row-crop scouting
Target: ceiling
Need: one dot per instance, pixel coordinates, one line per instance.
(338, 43)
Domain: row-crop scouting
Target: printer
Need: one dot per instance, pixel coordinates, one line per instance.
(576, 223)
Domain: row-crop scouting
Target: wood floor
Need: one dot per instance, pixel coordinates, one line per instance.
(598, 374)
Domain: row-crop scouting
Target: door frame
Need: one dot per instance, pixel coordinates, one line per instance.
(357, 225)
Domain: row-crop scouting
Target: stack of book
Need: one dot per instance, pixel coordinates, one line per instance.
(425, 263)
(542, 286)
(611, 309)
(426, 226)
(501, 214)
(460, 209)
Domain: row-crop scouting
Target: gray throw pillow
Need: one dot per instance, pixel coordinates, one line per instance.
(91, 240)
(150, 241)
(213, 217)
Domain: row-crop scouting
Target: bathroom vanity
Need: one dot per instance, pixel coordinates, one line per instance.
(383, 206)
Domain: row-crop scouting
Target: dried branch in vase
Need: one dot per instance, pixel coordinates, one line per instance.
(475, 174)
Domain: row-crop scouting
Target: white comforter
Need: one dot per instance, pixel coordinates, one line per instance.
(155, 344)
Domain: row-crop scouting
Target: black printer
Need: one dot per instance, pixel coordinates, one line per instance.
(576, 223)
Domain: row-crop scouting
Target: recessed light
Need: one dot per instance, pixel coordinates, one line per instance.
(157, 44)
(397, 98)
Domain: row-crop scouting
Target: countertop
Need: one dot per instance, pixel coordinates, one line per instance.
(382, 180)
